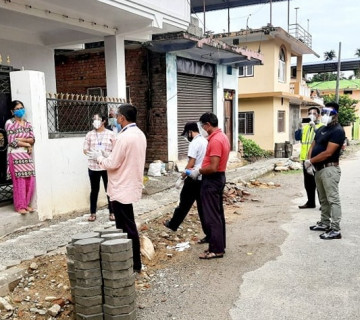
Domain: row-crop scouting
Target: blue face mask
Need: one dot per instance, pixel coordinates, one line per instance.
(19, 113)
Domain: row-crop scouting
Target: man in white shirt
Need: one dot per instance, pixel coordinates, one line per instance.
(191, 189)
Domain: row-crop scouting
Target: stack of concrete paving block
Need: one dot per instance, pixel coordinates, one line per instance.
(118, 279)
(70, 248)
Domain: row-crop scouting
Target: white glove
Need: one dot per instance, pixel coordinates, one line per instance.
(311, 170)
(192, 173)
(307, 163)
(105, 154)
(94, 154)
(312, 123)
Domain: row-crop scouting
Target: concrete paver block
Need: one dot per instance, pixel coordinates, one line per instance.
(118, 245)
(70, 265)
(87, 274)
(85, 235)
(87, 245)
(116, 265)
(119, 301)
(94, 264)
(102, 230)
(118, 310)
(72, 275)
(70, 249)
(126, 282)
(87, 291)
(9, 279)
(117, 256)
(117, 274)
(113, 236)
(90, 256)
(119, 292)
(90, 282)
(129, 316)
(80, 316)
(89, 301)
(89, 310)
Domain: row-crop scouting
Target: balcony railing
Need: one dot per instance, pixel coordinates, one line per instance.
(298, 32)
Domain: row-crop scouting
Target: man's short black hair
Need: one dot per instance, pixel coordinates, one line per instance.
(210, 118)
(314, 108)
(128, 111)
(333, 105)
(190, 126)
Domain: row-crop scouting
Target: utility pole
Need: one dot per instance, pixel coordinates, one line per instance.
(338, 74)
(288, 16)
(228, 17)
(270, 12)
(204, 8)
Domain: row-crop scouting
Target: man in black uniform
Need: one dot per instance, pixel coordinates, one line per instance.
(324, 162)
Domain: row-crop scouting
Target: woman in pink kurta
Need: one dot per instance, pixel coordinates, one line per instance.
(20, 164)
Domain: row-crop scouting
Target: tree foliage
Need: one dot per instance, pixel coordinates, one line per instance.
(347, 114)
(329, 55)
(327, 76)
(357, 52)
(252, 149)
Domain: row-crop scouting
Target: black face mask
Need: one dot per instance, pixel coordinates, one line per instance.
(189, 137)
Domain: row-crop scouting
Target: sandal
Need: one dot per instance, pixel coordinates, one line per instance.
(112, 217)
(211, 255)
(23, 211)
(29, 209)
(92, 217)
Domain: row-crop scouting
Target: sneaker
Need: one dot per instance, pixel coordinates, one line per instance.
(330, 235)
(320, 227)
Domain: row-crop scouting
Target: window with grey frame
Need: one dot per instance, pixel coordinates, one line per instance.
(246, 122)
(246, 71)
(281, 121)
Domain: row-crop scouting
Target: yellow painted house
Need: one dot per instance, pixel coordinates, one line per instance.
(270, 98)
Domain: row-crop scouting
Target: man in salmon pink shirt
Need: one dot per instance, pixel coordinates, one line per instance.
(213, 183)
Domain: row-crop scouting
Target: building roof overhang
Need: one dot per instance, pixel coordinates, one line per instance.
(297, 47)
(331, 66)
(210, 5)
(204, 49)
(293, 98)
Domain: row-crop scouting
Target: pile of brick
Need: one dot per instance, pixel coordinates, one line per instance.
(100, 269)
(234, 192)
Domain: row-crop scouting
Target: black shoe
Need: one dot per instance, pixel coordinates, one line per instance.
(306, 206)
(166, 223)
(320, 227)
(330, 235)
(203, 240)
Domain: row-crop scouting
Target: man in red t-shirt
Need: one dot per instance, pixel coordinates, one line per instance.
(213, 183)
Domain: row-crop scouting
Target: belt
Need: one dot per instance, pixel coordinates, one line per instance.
(324, 165)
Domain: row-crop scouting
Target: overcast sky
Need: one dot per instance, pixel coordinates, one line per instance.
(330, 22)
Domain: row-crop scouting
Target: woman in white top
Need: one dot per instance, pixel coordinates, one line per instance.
(100, 139)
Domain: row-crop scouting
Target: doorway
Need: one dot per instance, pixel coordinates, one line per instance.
(228, 116)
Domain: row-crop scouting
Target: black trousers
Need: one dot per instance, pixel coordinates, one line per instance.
(188, 195)
(125, 220)
(310, 187)
(95, 177)
(211, 193)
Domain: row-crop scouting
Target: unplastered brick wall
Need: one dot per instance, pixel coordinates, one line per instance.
(79, 70)
(146, 78)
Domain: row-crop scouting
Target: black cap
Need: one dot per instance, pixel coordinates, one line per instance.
(190, 126)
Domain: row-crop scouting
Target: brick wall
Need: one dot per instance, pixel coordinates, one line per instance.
(146, 77)
(78, 71)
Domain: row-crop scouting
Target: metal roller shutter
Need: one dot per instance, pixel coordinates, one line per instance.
(195, 97)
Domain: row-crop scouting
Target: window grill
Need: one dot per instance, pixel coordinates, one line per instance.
(67, 117)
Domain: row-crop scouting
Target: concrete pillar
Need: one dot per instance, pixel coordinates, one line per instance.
(299, 74)
(115, 66)
(171, 97)
(29, 87)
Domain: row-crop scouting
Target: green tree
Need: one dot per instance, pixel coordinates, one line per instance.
(357, 52)
(326, 76)
(329, 55)
(347, 114)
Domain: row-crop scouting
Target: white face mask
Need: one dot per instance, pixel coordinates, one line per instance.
(326, 119)
(312, 117)
(97, 124)
(203, 133)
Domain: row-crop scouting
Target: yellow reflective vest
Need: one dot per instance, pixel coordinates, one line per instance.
(307, 137)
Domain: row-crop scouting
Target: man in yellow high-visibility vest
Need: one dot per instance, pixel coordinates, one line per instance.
(307, 137)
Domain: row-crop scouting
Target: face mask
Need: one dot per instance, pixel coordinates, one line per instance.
(203, 133)
(312, 117)
(97, 124)
(19, 113)
(326, 119)
(112, 122)
(118, 126)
